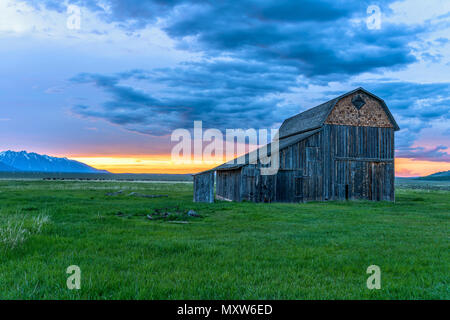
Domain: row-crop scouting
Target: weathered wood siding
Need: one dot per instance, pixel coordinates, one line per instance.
(337, 163)
(358, 162)
(204, 187)
(256, 187)
(299, 177)
(229, 185)
(371, 113)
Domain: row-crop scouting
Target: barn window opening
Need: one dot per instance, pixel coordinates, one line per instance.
(346, 192)
(358, 101)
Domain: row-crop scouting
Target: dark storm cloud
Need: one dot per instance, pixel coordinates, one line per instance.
(222, 94)
(319, 38)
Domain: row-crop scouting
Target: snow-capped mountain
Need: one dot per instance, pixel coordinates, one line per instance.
(24, 161)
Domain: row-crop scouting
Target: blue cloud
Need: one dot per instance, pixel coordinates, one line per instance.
(415, 100)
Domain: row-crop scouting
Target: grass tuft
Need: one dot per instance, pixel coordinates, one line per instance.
(13, 234)
(18, 228)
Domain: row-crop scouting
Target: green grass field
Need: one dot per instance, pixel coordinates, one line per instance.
(233, 251)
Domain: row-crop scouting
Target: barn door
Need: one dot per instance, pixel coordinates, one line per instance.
(266, 188)
(372, 180)
(350, 180)
(289, 186)
(282, 190)
(298, 184)
(248, 187)
(342, 186)
(382, 181)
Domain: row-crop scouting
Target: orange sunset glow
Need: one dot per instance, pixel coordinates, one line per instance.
(144, 164)
(404, 167)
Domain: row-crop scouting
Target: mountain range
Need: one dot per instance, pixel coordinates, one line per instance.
(22, 161)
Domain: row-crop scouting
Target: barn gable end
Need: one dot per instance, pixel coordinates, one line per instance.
(361, 110)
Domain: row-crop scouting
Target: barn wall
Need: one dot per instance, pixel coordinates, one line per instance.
(204, 187)
(229, 185)
(256, 187)
(299, 178)
(358, 162)
(338, 162)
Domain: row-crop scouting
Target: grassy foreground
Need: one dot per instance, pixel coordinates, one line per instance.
(233, 251)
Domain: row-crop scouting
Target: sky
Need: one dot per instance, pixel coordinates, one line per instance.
(107, 82)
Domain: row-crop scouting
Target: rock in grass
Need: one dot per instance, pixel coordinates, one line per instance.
(114, 193)
(149, 217)
(136, 194)
(192, 213)
(178, 222)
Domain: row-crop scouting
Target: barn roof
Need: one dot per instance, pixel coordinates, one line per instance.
(283, 143)
(302, 126)
(245, 159)
(315, 117)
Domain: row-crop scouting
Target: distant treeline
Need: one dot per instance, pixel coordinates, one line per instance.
(95, 176)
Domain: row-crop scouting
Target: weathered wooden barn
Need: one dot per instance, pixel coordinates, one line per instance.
(342, 149)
